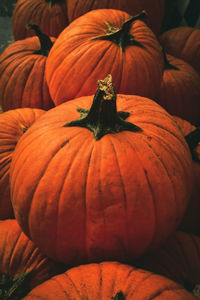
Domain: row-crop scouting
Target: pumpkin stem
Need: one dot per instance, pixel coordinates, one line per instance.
(53, 2)
(13, 289)
(103, 118)
(119, 296)
(192, 139)
(121, 36)
(45, 41)
(167, 64)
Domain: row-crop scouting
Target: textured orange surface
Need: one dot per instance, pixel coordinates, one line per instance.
(19, 255)
(12, 126)
(83, 200)
(106, 280)
(76, 61)
(22, 81)
(51, 19)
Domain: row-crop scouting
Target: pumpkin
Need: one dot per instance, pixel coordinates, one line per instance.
(13, 124)
(179, 92)
(108, 186)
(109, 280)
(100, 42)
(178, 259)
(49, 15)
(190, 222)
(22, 265)
(22, 81)
(154, 8)
(183, 42)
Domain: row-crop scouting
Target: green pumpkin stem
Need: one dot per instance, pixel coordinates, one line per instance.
(121, 36)
(13, 289)
(119, 296)
(45, 41)
(167, 64)
(192, 139)
(103, 118)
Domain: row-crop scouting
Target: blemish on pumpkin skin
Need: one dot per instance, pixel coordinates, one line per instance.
(65, 143)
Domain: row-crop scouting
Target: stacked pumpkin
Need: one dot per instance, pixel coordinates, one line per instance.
(95, 173)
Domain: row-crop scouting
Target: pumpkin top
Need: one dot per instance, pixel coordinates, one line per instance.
(103, 118)
(121, 36)
(100, 42)
(45, 42)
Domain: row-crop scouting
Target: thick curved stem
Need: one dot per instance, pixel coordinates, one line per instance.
(121, 36)
(167, 64)
(45, 42)
(103, 118)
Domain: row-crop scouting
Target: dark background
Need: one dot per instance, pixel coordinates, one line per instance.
(178, 13)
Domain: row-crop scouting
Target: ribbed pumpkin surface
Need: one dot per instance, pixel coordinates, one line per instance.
(106, 281)
(84, 200)
(51, 18)
(77, 61)
(19, 255)
(22, 80)
(13, 124)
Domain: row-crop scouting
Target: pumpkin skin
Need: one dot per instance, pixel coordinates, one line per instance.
(82, 200)
(183, 43)
(108, 280)
(19, 255)
(22, 81)
(76, 60)
(179, 92)
(190, 222)
(13, 124)
(49, 15)
(178, 259)
(155, 9)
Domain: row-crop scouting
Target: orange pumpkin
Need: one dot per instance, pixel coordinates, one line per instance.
(109, 280)
(101, 187)
(154, 8)
(100, 42)
(22, 65)
(13, 124)
(49, 15)
(22, 265)
(183, 42)
(179, 92)
(178, 259)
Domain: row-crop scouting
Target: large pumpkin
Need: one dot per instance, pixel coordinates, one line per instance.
(13, 124)
(155, 9)
(111, 190)
(183, 43)
(109, 281)
(100, 42)
(179, 92)
(177, 259)
(22, 80)
(49, 15)
(22, 265)
(190, 222)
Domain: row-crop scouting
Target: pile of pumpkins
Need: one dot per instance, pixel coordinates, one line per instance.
(99, 153)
